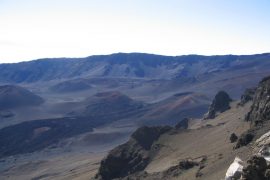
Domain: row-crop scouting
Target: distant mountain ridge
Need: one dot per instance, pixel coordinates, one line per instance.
(133, 65)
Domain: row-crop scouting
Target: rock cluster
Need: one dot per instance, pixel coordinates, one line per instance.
(258, 165)
(256, 169)
(175, 171)
(220, 104)
(187, 164)
(244, 139)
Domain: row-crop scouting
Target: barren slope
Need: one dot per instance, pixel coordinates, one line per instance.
(211, 141)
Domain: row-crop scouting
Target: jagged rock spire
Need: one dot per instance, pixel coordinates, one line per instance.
(220, 103)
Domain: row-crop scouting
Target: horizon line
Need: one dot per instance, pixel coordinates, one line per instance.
(128, 53)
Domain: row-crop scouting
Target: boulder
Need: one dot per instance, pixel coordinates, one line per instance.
(244, 139)
(235, 170)
(256, 169)
(233, 138)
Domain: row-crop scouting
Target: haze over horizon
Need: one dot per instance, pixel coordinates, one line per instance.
(45, 29)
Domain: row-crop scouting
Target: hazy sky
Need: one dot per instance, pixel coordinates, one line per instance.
(31, 29)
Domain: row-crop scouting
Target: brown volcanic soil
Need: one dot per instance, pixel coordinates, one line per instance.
(208, 138)
(206, 143)
(175, 108)
(79, 166)
(200, 140)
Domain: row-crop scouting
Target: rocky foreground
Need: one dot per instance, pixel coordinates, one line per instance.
(231, 142)
(257, 167)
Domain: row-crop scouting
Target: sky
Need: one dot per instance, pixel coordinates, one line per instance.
(33, 29)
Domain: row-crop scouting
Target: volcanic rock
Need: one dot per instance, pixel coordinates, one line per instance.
(220, 104)
(233, 138)
(235, 170)
(132, 156)
(260, 109)
(247, 96)
(256, 169)
(145, 136)
(183, 124)
(244, 139)
(187, 164)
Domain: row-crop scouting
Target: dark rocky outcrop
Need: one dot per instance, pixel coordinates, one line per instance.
(256, 169)
(259, 114)
(220, 104)
(35, 135)
(247, 96)
(177, 170)
(187, 164)
(233, 138)
(125, 159)
(132, 156)
(173, 172)
(244, 139)
(183, 124)
(145, 136)
(260, 109)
